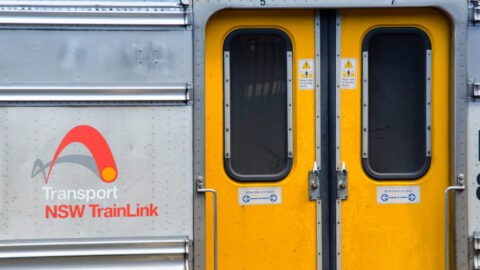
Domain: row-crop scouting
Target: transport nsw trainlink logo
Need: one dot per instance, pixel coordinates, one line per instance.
(106, 168)
(90, 202)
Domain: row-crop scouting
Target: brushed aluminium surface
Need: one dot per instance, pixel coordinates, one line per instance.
(153, 153)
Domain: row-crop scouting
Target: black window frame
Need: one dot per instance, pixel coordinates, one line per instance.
(365, 100)
(226, 80)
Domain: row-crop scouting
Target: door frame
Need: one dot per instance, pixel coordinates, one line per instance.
(456, 11)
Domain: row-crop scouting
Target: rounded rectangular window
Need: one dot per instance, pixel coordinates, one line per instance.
(396, 102)
(258, 105)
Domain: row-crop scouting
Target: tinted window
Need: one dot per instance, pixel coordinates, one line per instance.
(397, 103)
(258, 106)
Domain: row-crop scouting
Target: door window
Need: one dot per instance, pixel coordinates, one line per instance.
(258, 105)
(396, 103)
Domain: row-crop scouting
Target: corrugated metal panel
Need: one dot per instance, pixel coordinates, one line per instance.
(152, 13)
(119, 253)
(173, 93)
(94, 58)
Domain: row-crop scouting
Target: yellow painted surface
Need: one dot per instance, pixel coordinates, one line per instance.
(261, 236)
(283, 236)
(394, 236)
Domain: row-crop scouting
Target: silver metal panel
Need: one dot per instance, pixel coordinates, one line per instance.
(338, 93)
(428, 105)
(473, 167)
(100, 13)
(93, 247)
(473, 147)
(318, 102)
(89, 3)
(365, 104)
(134, 262)
(457, 12)
(95, 58)
(93, 93)
(152, 150)
(473, 53)
(289, 104)
(226, 102)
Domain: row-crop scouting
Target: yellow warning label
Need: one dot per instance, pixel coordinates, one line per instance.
(348, 64)
(306, 66)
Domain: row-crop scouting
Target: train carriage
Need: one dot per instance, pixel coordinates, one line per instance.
(239, 134)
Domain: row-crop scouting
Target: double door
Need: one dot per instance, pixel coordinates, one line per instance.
(327, 138)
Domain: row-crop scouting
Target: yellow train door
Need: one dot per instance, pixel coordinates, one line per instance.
(394, 138)
(260, 138)
(327, 138)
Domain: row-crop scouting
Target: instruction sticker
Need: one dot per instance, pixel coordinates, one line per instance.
(349, 73)
(390, 195)
(306, 78)
(259, 195)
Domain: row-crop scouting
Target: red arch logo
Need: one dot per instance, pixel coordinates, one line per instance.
(98, 147)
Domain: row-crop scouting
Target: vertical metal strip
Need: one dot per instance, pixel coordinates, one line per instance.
(289, 104)
(319, 235)
(226, 101)
(365, 104)
(318, 147)
(318, 102)
(199, 236)
(337, 92)
(338, 228)
(428, 101)
(337, 135)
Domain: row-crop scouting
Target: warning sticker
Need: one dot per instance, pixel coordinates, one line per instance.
(259, 195)
(348, 73)
(397, 194)
(306, 76)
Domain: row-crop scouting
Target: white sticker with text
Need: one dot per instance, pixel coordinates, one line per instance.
(259, 195)
(397, 194)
